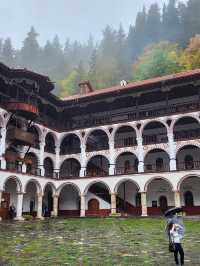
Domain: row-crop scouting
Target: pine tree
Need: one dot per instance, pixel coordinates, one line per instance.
(30, 52)
(170, 22)
(153, 25)
(8, 53)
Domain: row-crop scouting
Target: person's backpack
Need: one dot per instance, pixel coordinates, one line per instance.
(171, 247)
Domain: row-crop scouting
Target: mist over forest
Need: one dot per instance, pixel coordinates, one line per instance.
(162, 41)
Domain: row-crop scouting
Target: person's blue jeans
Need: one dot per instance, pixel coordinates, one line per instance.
(178, 250)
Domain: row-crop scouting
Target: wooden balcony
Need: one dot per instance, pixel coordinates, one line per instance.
(21, 137)
(28, 109)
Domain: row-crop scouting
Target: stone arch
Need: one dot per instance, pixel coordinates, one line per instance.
(96, 182)
(68, 184)
(69, 200)
(53, 188)
(97, 165)
(160, 195)
(154, 132)
(124, 180)
(70, 144)
(88, 132)
(97, 139)
(151, 158)
(48, 167)
(184, 178)
(70, 167)
(126, 163)
(186, 150)
(50, 143)
(146, 123)
(17, 181)
(125, 136)
(157, 178)
(78, 135)
(176, 120)
(36, 183)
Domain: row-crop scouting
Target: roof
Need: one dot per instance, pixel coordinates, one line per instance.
(137, 84)
(43, 80)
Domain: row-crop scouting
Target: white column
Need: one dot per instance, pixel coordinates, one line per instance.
(19, 206)
(55, 205)
(140, 155)
(1, 192)
(39, 206)
(113, 203)
(144, 203)
(3, 147)
(83, 160)
(112, 156)
(177, 199)
(57, 162)
(82, 214)
(172, 151)
(23, 168)
(41, 157)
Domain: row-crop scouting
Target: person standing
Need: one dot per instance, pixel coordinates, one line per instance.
(176, 238)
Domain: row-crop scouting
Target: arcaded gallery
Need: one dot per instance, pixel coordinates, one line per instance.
(132, 149)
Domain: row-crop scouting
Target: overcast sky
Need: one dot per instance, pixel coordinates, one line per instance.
(75, 19)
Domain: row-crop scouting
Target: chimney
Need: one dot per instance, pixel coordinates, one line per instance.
(85, 87)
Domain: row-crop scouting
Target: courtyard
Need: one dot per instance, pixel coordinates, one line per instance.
(93, 241)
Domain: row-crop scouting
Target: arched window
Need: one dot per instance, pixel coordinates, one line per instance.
(188, 198)
(189, 162)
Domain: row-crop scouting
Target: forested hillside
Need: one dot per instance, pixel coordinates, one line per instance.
(161, 41)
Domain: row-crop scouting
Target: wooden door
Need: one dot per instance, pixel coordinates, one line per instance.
(93, 205)
(4, 208)
(163, 203)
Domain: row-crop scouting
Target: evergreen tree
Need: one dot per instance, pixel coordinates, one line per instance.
(92, 74)
(8, 53)
(170, 22)
(190, 20)
(153, 25)
(30, 52)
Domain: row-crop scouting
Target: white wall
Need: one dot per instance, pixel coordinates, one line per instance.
(191, 184)
(158, 188)
(102, 203)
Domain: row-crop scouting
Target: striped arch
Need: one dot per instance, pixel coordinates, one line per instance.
(124, 180)
(157, 147)
(59, 189)
(17, 181)
(90, 131)
(155, 178)
(187, 143)
(52, 187)
(96, 182)
(38, 186)
(174, 121)
(122, 152)
(63, 136)
(184, 178)
(98, 154)
(145, 123)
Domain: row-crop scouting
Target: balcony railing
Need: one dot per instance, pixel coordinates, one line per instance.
(148, 168)
(187, 134)
(195, 165)
(69, 175)
(125, 171)
(96, 172)
(125, 142)
(135, 115)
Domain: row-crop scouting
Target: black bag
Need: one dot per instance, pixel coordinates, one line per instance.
(171, 247)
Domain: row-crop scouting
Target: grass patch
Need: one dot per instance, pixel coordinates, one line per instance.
(102, 241)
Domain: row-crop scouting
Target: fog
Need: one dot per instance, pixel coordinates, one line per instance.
(69, 19)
